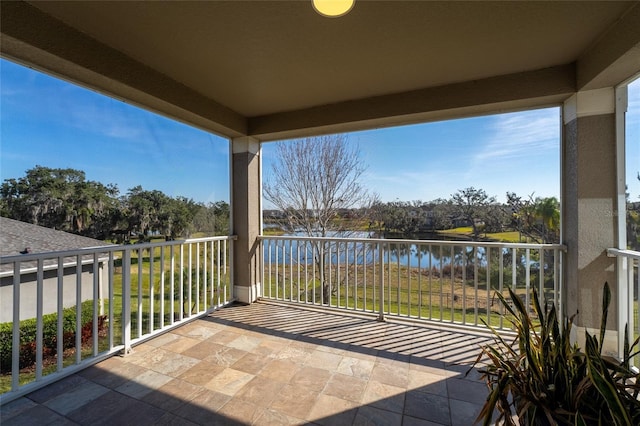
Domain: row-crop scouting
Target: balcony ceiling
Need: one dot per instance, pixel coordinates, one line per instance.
(275, 69)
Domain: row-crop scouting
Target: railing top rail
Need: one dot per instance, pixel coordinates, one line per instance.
(422, 242)
(614, 252)
(105, 249)
(205, 239)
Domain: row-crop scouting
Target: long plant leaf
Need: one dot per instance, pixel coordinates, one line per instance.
(606, 300)
(604, 384)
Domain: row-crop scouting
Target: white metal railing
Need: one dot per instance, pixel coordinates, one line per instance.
(438, 280)
(628, 291)
(68, 310)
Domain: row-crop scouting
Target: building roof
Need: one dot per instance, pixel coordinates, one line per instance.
(16, 236)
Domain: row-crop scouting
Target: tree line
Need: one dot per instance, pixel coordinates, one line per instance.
(65, 200)
(536, 219)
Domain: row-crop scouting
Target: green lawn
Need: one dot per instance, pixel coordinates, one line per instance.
(424, 293)
(467, 231)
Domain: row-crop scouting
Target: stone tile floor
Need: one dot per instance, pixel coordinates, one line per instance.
(274, 364)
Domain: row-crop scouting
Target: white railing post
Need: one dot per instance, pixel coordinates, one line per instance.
(126, 301)
(381, 281)
(623, 298)
(39, 319)
(15, 336)
(78, 309)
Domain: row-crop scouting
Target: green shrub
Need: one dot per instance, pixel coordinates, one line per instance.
(28, 333)
(544, 379)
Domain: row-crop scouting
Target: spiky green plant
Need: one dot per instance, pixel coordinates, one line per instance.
(544, 379)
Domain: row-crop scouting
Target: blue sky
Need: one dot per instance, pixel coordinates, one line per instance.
(45, 121)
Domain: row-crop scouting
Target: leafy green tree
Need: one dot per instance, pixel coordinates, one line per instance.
(472, 205)
(536, 218)
(212, 219)
(60, 199)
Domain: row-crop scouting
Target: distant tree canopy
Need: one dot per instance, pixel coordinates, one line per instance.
(63, 199)
(537, 219)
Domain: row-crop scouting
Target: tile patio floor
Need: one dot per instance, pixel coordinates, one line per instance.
(274, 364)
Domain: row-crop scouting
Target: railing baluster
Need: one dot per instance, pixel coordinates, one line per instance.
(162, 283)
(501, 285)
(140, 312)
(381, 283)
(355, 274)
(59, 310)
(541, 294)
(181, 284)
(527, 278)
(398, 297)
(298, 268)
(475, 285)
(452, 273)
(190, 281)
(39, 323)
(172, 284)
(314, 250)
(206, 273)
(488, 282)
(291, 270)
(441, 282)
(430, 282)
(362, 284)
(221, 265)
(97, 297)
(465, 259)
(277, 247)
(374, 281)
(198, 310)
(78, 309)
(388, 269)
(126, 301)
(409, 292)
(15, 336)
(419, 253)
(151, 289)
(338, 273)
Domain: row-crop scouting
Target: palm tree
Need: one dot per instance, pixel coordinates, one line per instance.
(548, 213)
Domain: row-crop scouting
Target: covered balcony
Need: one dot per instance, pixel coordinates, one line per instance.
(256, 72)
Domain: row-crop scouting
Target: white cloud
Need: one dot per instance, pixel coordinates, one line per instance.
(521, 135)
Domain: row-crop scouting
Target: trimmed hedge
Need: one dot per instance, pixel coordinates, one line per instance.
(49, 335)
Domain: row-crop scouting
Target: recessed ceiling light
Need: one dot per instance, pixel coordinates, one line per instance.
(333, 8)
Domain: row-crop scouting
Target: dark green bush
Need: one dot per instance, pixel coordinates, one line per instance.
(544, 379)
(50, 337)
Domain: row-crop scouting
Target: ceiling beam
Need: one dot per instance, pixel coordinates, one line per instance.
(40, 41)
(614, 57)
(496, 94)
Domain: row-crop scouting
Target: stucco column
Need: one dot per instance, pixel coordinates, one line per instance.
(589, 208)
(246, 211)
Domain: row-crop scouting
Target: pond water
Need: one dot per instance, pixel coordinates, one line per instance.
(416, 255)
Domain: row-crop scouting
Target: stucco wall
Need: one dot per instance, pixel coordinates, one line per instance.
(28, 292)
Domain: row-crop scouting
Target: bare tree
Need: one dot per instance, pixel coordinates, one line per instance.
(316, 182)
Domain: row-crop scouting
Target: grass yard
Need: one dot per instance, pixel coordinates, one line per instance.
(467, 232)
(408, 292)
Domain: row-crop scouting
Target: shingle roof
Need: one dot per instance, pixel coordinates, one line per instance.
(15, 236)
